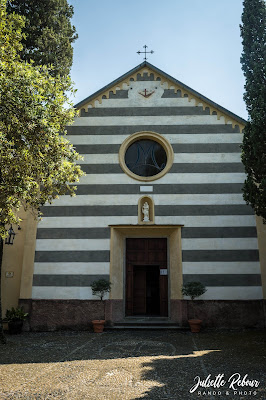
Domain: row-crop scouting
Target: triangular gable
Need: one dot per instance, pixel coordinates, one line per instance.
(168, 81)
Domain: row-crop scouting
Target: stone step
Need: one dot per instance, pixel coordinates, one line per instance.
(145, 323)
(142, 323)
(146, 327)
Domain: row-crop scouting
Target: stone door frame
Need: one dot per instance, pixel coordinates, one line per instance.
(118, 265)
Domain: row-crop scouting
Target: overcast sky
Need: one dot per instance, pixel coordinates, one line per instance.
(197, 42)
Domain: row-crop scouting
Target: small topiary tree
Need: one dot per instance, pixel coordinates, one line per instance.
(193, 290)
(100, 288)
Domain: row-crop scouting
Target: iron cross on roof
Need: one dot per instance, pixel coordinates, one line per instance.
(145, 52)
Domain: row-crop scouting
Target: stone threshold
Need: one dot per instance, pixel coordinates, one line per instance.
(145, 322)
(147, 327)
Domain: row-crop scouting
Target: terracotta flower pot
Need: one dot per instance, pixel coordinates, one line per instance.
(195, 325)
(98, 325)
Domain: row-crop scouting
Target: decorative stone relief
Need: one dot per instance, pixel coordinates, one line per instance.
(145, 92)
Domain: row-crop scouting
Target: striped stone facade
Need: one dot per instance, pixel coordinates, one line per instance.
(201, 193)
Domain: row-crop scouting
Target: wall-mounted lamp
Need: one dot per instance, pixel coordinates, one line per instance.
(11, 236)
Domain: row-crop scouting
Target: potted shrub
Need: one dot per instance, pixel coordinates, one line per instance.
(100, 288)
(194, 290)
(15, 318)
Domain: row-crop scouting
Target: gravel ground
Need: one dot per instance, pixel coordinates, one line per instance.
(133, 365)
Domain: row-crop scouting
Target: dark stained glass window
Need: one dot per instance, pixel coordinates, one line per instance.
(145, 157)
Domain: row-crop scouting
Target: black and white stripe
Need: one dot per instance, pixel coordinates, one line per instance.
(202, 191)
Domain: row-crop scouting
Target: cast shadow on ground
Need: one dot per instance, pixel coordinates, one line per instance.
(240, 353)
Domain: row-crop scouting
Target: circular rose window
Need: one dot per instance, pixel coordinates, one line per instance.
(146, 156)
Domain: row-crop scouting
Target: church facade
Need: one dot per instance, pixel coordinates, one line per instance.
(160, 205)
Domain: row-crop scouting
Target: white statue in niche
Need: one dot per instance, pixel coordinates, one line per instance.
(145, 210)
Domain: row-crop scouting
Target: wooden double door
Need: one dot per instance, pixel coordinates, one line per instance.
(146, 277)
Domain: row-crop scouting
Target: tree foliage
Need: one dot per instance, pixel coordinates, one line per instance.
(253, 60)
(37, 164)
(193, 289)
(48, 33)
(100, 287)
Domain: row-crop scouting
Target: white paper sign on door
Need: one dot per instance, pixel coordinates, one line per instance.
(163, 272)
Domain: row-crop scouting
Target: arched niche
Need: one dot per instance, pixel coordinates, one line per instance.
(142, 215)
